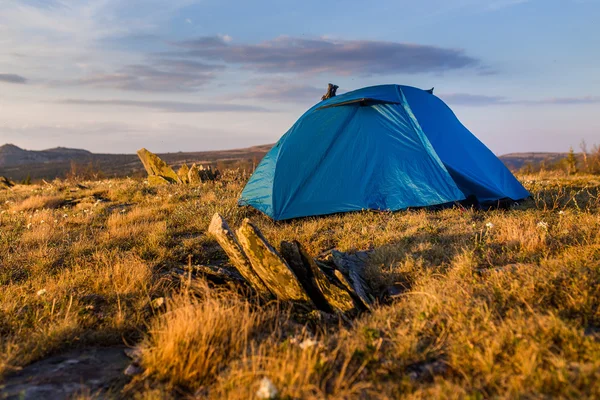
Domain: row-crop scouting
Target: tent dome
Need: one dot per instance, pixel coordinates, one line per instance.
(385, 147)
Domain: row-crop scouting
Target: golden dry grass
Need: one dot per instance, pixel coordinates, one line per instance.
(499, 304)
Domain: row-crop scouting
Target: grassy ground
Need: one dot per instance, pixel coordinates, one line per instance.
(499, 304)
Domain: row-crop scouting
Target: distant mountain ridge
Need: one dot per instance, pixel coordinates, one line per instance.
(11, 155)
(17, 163)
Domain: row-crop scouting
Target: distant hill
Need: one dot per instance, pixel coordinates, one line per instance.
(17, 163)
(515, 161)
(11, 155)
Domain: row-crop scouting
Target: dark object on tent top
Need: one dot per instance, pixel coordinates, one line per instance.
(430, 91)
(331, 89)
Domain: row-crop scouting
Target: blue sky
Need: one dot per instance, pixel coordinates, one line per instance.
(183, 75)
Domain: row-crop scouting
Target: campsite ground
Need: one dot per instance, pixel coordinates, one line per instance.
(499, 304)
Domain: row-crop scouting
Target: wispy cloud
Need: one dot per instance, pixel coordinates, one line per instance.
(467, 99)
(280, 90)
(343, 57)
(569, 100)
(12, 78)
(477, 100)
(163, 75)
(169, 106)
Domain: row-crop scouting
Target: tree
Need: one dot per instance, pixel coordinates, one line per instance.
(27, 180)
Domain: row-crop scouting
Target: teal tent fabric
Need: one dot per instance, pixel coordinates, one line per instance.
(371, 149)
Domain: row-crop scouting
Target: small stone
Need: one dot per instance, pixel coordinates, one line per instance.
(158, 302)
(134, 353)
(132, 370)
(266, 389)
(308, 343)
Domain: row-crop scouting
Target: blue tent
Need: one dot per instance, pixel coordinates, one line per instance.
(385, 147)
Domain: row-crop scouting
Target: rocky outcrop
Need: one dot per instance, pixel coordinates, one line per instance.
(156, 167)
(334, 284)
(159, 173)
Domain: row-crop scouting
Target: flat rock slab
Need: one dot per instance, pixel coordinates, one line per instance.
(269, 266)
(90, 370)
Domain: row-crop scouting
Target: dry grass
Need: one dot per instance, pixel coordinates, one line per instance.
(499, 304)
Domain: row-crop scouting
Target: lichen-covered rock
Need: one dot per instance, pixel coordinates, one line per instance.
(155, 180)
(155, 166)
(290, 251)
(183, 173)
(314, 281)
(194, 175)
(353, 267)
(269, 266)
(361, 301)
(227, 240)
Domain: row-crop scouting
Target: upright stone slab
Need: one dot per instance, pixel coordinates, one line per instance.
(352, 266)
(156, 180)
(194, 175)
(290, 251)
(227, 240)
(362, 303)
(268, 264)
(155, 166)
(183, 173)
(314, 281)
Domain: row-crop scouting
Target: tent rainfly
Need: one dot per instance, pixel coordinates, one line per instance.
(387, 147)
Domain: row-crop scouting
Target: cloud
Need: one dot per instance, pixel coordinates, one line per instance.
(162, 75)
(12, 78)
(466, 99)
(169, 106)
(344, 57)
(569, 100)
(280, 90)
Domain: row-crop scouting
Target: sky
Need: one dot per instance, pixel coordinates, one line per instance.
(113, 76)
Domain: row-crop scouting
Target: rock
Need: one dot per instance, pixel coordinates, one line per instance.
(348, 285)
(183, 173)
(269, 266)
(157, 167)
(96, 370)
(220, 230)
(352, 267)
(266, 389)
(134, 353)
(157, 302)
(156, 180)
(133, 369)
(326, 296)
(207, 173)
(194, 175)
